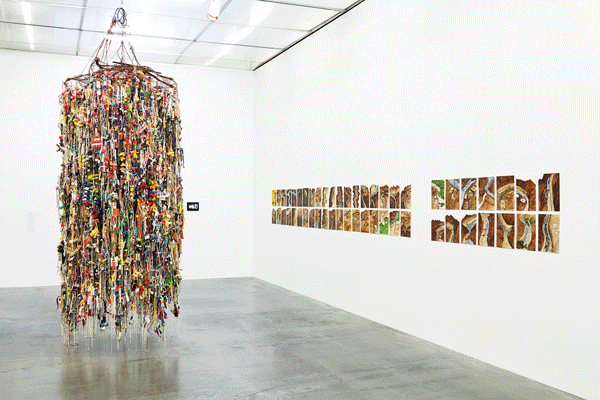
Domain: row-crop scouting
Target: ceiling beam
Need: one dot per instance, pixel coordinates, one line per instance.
(145, 36)
(291, 3)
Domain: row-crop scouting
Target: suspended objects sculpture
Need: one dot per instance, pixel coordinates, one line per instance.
(119, 195)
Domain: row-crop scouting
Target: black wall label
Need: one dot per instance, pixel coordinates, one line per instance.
(195, 206)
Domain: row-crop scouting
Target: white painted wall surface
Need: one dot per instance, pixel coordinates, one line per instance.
(216, 113)
(409, 91)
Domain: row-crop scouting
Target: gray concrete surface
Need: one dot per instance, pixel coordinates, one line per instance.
(240, 339)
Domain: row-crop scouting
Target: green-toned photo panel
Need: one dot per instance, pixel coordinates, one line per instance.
(369, 208)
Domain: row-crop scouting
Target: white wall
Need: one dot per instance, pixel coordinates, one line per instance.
(216, 113)
(407, 91)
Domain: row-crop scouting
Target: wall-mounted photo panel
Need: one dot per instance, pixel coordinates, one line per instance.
(318, 197)
(406, 197)
(526, 230)
(274, 216)
(395, 197)
(274, 198)
(405, 224)
(374, 196)
(299, 197)
(305, 194)
(549, 193)
(549, 233)
(284, 216)
(452, 230)
(347, 220)
(374, 222)
(339, 197)
(438, 231)
(365, 217)
(289, 197)
(486, 229)
(452, 194)
(468, 194)
(311, 197)
(325, 219)
(332, 199)
(468, 229)
(347, 197)
(438, 200)
(364, 197)
(311, 218)
(487, 193)
(394, 223)
(355, 196)
(526, 195)
(332, 220)
(278, 221)
(299, 217)
(339, 219)
(305, 217)
(505, 230)
(506, 193)
(384, 196)
(292, 194)
(318, 218)
(325, 197)
(384, 222)
(356, 220)
(288, 217)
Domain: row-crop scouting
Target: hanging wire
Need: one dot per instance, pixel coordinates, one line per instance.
(120, 17)
(128, 60)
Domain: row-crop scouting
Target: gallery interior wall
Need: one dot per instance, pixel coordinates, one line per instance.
(216, 113)
(407, 92)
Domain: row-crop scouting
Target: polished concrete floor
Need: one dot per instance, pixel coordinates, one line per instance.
(240, 339)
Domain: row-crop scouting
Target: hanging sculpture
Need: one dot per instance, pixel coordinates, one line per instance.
(120, 196)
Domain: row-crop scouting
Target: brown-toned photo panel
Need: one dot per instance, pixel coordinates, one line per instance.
(452, 229)
(505, 212)
(468, 229)
(371, 208)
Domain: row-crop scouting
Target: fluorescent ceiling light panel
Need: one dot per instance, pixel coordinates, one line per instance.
(29, 35)
(26, 7)
(226, 49)
(259, 12)
(139, 26)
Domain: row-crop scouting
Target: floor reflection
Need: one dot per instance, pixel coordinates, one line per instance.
(122, 374)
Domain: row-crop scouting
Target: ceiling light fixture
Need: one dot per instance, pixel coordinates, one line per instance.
(214, 10)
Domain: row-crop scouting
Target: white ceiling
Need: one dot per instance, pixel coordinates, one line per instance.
(247, 34)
